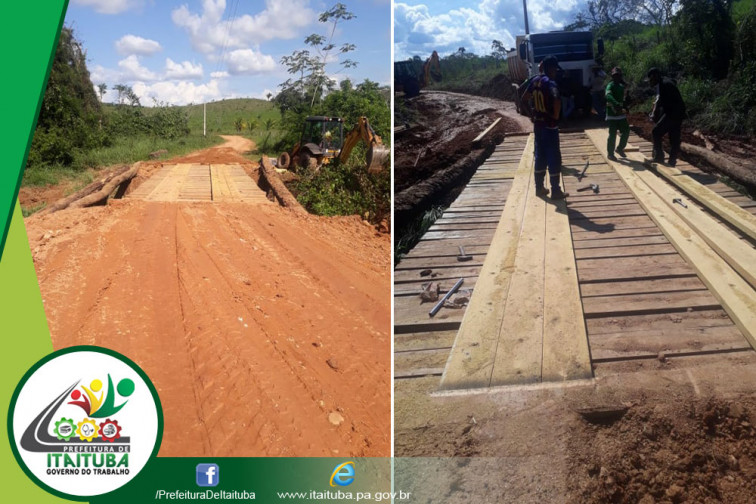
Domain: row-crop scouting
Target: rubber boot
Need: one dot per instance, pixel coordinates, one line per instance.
(540, 178)
(556, 191)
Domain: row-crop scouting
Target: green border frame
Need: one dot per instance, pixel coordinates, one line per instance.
(18, 113)
(45, 360)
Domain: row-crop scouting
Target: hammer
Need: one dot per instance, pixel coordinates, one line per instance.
(595, 188)
(462, 256)
(582, 174)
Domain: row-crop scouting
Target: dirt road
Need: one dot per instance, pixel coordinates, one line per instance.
(266, 333)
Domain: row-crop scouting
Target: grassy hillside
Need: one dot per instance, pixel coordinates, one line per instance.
(130, 147)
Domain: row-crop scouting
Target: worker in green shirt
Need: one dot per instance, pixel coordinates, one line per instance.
(615, 114)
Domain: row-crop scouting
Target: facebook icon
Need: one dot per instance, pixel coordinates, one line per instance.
(207, 475)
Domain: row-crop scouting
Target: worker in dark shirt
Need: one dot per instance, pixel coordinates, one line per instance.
(546, 108)
(668, 114)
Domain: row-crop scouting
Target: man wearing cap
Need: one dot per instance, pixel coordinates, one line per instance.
(546, 107)
(668, 114)
(615, 115)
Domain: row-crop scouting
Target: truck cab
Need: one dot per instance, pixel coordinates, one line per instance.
(573, 50)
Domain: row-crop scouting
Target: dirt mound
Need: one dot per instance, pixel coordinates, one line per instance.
(499, 87)
(703, 451)
(437, 152)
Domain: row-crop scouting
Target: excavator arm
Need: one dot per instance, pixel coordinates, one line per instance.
(431, 64)
(377, 152)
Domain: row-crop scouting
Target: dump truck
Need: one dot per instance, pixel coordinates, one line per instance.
(574, 50)
(323, 140)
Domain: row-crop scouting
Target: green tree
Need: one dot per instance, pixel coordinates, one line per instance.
(308, 66)
(70, 113)
(102, 88)
(707, 31)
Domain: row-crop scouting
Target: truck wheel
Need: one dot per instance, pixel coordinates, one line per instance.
(308, 161)
(518, 106)
(411, 88)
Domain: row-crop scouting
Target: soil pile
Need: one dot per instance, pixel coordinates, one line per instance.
(703, 451)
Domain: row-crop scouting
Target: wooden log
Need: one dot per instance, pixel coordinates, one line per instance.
(94, 188)
(282, 194)
(106, 190)
(722, 163)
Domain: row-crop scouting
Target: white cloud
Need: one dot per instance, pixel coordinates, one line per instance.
(248, 62)
(110, 6)
(132, 70)
(185, 70)
(208, 32)
(219, 75)
(132, 44)
(417, 31)
(177, 92)
(99, 74)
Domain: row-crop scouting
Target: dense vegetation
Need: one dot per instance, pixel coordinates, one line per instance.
(75, 132)
(707, 46)
(338, 189)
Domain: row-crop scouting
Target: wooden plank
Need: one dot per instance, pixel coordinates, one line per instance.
(654, 239)
(412, 310)
(579, 234)
(420, 359)
(417, 341)
(414, 289)
(519, 352)
(655, 302)
(738, 254)
(221, 189)
(419, 373)
(641, 286)
(413, 275)
(169, 188)
(675, 269)
(471, 358)
(658, 321)
(486, 131)
(565, 342)
(735, 294)
(639, 344)
(627, 251)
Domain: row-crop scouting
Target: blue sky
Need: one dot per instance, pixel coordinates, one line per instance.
(420, 27)
(190, 51)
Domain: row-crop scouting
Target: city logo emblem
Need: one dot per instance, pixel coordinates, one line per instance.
(94, 435)
(343, 474)
(208, 475)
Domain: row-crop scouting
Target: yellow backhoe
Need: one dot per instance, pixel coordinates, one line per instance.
(323, 139)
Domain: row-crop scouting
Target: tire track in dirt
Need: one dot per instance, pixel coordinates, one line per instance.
(172, 286)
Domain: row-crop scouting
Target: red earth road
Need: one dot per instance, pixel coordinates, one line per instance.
(266, 333)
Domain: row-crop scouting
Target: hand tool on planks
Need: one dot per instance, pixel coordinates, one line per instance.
(449, 294)
(462, 256)
(582, 173)
(594, 187)
(680, 202)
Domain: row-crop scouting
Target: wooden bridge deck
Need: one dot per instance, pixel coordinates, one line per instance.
(200, 182)
(639, 296)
